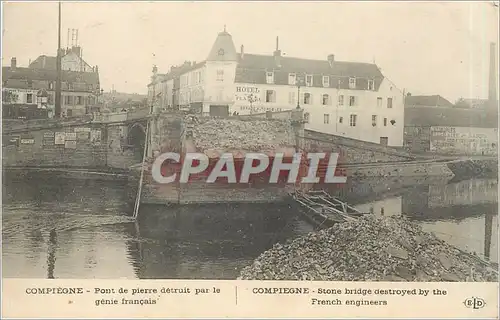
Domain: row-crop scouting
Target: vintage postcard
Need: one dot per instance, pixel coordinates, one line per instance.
(249, 159)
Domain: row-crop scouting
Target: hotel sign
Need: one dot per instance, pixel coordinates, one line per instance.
(244, 93)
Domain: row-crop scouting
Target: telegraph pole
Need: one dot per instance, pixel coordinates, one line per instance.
(337, 108)
(57, 110)
(298, 80)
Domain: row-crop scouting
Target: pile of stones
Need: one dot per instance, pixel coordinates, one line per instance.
(230, 134)
(369, 249)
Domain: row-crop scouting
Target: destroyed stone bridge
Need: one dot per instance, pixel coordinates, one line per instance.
(115, 142)
(105, 144)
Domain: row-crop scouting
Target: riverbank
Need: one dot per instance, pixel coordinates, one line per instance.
(475, 168)
(369, 249)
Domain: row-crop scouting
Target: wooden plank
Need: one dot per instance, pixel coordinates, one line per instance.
(322, 209)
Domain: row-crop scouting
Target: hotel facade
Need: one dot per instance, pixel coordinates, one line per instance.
(349, 99)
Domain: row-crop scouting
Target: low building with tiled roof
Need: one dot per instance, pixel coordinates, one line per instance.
(427, 101)
(434, 124)
(79, 91)
(351, 99)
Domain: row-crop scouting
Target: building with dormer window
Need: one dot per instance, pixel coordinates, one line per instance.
(24, 89)
(350, 99)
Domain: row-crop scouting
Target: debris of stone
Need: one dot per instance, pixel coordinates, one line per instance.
(369, 249)
(231, 134)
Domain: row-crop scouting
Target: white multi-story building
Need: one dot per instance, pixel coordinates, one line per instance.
(350, 99)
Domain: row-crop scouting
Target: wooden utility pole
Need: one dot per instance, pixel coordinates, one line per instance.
(58, 62)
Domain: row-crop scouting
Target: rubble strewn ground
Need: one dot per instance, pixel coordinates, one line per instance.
(369, 249)
(230, 134)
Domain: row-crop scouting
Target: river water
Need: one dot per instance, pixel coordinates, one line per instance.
(61, 228)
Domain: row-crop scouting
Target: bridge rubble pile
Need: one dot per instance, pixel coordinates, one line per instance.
(369, 249)
(233, 134)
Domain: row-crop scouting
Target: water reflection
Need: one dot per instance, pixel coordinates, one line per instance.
(51, 258)
(80, 229)
(207, 242)
(464, 214)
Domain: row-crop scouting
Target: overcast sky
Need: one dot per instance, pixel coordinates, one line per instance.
(425, 48)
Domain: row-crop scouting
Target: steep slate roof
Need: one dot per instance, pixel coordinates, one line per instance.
(452, 117)
(50, 62)
(177, 71)
(38, 63)
(430, 101)
(29, 74)
(252, 68)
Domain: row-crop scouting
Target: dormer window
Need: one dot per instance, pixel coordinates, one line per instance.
(292, 79)
(326, 81)
(269, 77)
(371, 85)
(309, 80)
(352, 83)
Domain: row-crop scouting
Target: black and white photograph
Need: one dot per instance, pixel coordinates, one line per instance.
(319, 141)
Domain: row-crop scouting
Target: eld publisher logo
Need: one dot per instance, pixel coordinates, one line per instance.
(474, 303)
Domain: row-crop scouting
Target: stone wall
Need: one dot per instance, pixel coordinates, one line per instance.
(82, 146)
(409, 169)
(95, 146)
(350, 150)
(166, 133)
(119, 154)
(93, 142)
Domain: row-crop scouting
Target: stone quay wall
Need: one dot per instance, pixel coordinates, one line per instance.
(351, 151)
(89, 145)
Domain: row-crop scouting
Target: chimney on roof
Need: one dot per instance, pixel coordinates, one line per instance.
(277, 54)
(44, 61)
(13, 62)
(331, 59)
(242, 52)
(492, 91)
(77, 50)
